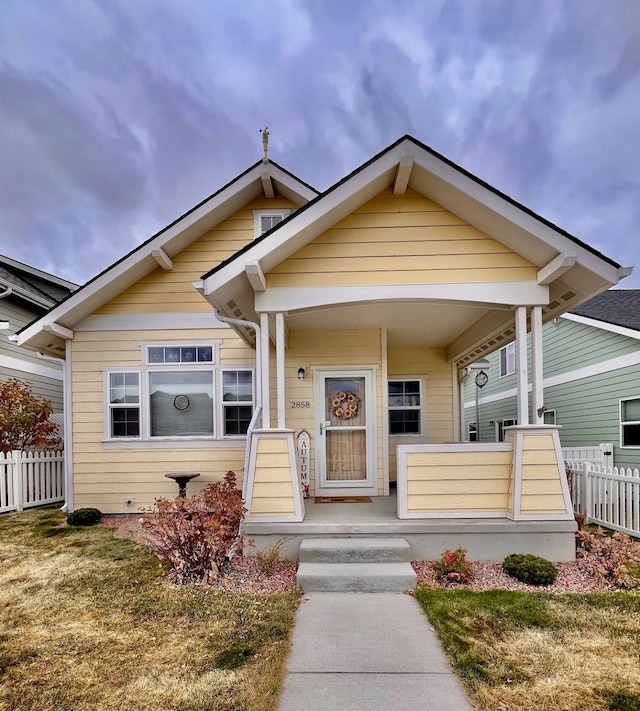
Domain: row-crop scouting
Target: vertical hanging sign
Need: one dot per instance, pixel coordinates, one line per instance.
(303, 461)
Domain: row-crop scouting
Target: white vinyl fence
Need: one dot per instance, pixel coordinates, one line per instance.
(599, 454)
(30, 479)
(608, 496)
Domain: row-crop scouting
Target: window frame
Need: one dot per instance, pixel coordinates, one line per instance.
(550, 412)
(420, 408)
(223, 405)
(623, 423)
(282, 212)
(500, 425)
(144, 371)
(472, 428)
(509, 354)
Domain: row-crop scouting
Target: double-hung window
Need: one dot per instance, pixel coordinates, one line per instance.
(405, 403)
(630, 422)
(500, 425)
(472, 432)
(508, 360)
(179, 391)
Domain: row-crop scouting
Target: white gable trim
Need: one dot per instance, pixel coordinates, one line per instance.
(603, 325)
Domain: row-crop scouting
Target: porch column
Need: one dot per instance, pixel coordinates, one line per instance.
(537, 394)
(280, 347)
(521, 365)
(264, 364)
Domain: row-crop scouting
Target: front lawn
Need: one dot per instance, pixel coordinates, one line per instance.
(522, 650)
(85, 624)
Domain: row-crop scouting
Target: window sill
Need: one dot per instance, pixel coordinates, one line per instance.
(178, 443)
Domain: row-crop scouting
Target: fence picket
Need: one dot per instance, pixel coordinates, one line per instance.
(30, 479)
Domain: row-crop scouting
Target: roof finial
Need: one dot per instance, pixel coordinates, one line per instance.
(265, 143)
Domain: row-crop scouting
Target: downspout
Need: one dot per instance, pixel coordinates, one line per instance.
(258, 408)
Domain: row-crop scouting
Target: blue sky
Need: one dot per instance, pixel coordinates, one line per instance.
(118, 116)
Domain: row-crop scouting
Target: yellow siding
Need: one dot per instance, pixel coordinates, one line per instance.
(272, 487)
(458, 482)
(401, 239)
(172, 291)
(541, 487)
(318, 349)
(105, 477)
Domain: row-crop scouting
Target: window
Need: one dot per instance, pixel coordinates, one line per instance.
(264, 220)
(630, 422)
(404, 407)
(472, 432)
(174, 394)
(124, 405)
(549, 417)
(500, 425)
(508, 360)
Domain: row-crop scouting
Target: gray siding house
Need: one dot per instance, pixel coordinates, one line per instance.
(27, 293)
(591, 379)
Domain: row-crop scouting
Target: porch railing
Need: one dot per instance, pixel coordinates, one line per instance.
(30, 479)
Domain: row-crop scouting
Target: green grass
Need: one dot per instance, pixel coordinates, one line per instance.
(517, 650)
(85, 624)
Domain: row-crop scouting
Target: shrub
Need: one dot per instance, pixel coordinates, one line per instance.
(454, 567)
(531, 569)
(84, 517)
(613, 559)
(195, 535)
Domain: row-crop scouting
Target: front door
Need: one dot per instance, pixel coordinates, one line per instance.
(345, 417)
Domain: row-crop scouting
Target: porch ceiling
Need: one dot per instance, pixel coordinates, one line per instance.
(408, 323)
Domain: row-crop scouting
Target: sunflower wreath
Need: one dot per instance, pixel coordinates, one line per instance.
(344, 405)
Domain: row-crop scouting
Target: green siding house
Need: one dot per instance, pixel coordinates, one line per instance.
(591, 380)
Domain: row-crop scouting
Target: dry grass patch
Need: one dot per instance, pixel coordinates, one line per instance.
(518, 650)
(85, 624)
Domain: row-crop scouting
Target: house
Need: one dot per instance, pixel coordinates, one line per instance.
(591, 379)
(25, 294)
(316, 343)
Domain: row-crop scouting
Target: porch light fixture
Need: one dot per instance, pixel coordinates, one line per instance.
(301, 373)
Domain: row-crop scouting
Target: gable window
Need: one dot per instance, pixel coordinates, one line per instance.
(265, 220)
(500, 425)
(472, 432)
(405, 402)
(508, 360)
(179, 391)
(630, 422)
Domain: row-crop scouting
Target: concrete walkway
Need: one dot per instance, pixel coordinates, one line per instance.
(367, 652)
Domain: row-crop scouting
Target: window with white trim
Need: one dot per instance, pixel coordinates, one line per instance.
(265, 220)
(549, 417)
(405, 402)
(472, 432)
(179, 391)
(508, 360)
(630, 422)
(500, 425)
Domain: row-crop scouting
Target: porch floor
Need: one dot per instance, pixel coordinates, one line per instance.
(483, 538)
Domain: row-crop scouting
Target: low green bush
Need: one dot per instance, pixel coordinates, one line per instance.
(84, 517)
(529, 568)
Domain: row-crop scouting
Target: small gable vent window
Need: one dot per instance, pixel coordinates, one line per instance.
(265, 220)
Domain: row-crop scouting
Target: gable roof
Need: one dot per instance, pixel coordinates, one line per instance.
(38, 288)
(620, 307)
(162, 246)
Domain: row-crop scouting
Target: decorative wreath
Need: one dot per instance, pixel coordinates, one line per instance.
(344, 405)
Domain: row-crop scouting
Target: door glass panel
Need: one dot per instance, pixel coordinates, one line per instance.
(346, 438)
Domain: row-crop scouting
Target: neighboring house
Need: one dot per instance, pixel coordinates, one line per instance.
(591, 379)
(283, 334)
(27, 293)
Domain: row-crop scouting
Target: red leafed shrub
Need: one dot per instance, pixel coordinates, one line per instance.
(454, 567)
(195, 534)
(614, 559)
(24, 418)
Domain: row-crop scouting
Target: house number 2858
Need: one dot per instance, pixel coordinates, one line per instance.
(297, 404)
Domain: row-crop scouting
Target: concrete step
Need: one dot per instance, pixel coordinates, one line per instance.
(355, 550)
(356, 577)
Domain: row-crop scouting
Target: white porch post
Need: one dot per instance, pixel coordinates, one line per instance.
(280, 384)
(521, 365)
(264, 363)
(537, 393)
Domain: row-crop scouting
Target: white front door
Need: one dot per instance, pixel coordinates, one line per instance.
(345, 433)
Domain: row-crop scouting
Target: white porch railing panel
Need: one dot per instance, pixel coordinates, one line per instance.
(599, 454)
(30, 479)
(607, 496)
